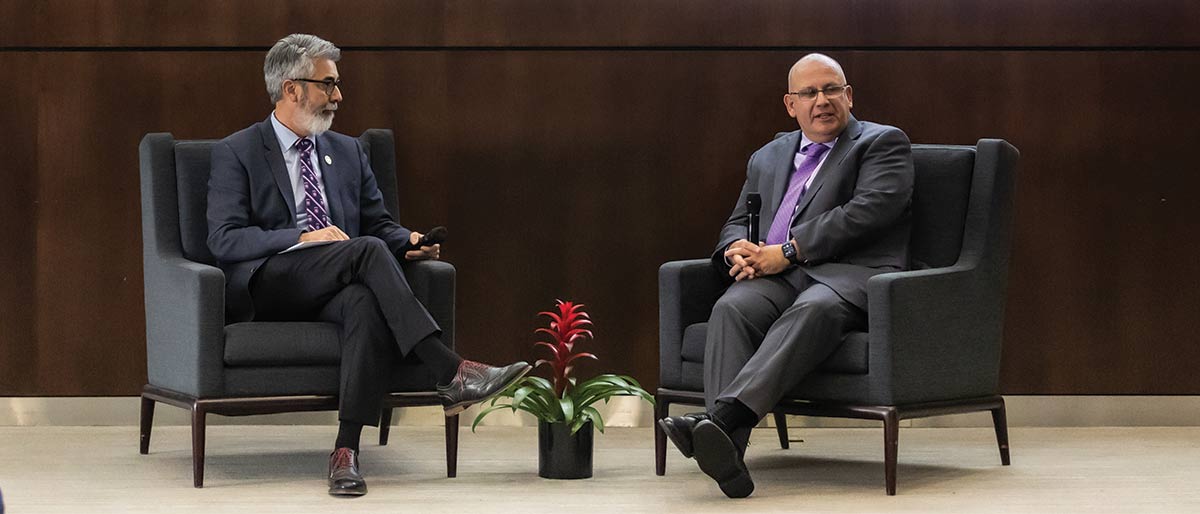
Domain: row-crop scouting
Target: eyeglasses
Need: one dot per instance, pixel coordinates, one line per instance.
(830, 92)
(329, 84)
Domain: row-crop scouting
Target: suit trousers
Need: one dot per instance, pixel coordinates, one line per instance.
(766, 334)
(359, 285)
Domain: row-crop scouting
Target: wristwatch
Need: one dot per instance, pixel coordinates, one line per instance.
(789, 253)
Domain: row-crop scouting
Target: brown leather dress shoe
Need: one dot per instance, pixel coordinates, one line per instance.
(344, 478)
(475, 382)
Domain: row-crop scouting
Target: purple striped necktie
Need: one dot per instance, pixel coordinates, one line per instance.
(787, 208)
(314, 205)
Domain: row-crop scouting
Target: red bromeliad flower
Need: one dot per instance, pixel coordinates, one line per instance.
(566, 328)
(563, 400)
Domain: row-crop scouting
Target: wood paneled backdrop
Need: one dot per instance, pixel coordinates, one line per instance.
(573, 146)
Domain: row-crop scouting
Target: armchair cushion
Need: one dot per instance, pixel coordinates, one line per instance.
(282, 344)
(694, 339)
(849, 358)
(408, 376)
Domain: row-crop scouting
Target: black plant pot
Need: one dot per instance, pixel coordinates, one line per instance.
(562, 455)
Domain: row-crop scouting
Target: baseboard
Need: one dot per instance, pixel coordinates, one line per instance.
(1023, 411)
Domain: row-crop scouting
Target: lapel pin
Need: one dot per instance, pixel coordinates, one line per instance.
(328, 160)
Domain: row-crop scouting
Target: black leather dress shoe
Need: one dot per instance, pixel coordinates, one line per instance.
(679, 430)
(475, 382)
(719, 458)
(344, 478)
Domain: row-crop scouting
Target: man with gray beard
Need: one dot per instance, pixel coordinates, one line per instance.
(288, 180)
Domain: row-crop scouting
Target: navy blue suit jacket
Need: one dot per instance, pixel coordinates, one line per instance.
(251, 205)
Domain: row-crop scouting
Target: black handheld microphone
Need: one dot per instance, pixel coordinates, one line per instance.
(753, 205)
(436, 235)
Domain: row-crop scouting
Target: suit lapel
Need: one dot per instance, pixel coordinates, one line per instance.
(781, 169)
(274, 157)
(832, 166)
(331, 162)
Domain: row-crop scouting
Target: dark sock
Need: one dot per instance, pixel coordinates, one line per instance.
(732, 415)
(442, 361)
(349, 433)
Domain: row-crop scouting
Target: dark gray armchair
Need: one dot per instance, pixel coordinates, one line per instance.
(934, 333)
(197, 362)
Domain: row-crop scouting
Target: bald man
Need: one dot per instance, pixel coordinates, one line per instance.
(835, 212)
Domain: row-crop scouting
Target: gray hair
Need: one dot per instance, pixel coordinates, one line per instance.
(292, 57)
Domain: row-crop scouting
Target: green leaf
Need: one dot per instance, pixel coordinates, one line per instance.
(631, 380)
(543, 405)
(519, 396)
(534, 395)
(604, 387)
(540, 401)
(487, 411)
(619, 381)
(568, 409)
(594, 415)
(592, 396)
(540, 382)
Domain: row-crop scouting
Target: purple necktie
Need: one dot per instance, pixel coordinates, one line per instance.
(787, 208)
(314, 205)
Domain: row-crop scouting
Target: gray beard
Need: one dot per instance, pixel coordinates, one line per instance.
(317, 124)
(314, 122)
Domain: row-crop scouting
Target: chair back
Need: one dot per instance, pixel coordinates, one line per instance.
(941, 188)
(962, 207)
(192, 165)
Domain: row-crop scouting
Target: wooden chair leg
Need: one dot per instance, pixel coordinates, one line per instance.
(198, 430)
(452, 446)
(385, 425)
(781, 429)
(1000, 420)
(147, 423)
(661, 409)
(891, 436)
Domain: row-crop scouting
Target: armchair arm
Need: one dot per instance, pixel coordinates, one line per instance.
(935, 333)
(432, 282)
(687, 291)
(185, 325)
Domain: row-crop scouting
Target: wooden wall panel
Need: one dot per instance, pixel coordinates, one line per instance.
(568, 175)
(18, 209)
(621, 23)
(1088, 231)
(575, 172)
(89, 301)
(1098, 286)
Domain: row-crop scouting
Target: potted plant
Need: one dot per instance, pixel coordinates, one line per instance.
(563, 405)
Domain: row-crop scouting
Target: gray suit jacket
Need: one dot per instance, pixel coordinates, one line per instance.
(853, 222)
(252, 211)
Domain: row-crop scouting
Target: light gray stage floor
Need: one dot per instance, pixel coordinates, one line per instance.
(280, 469)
